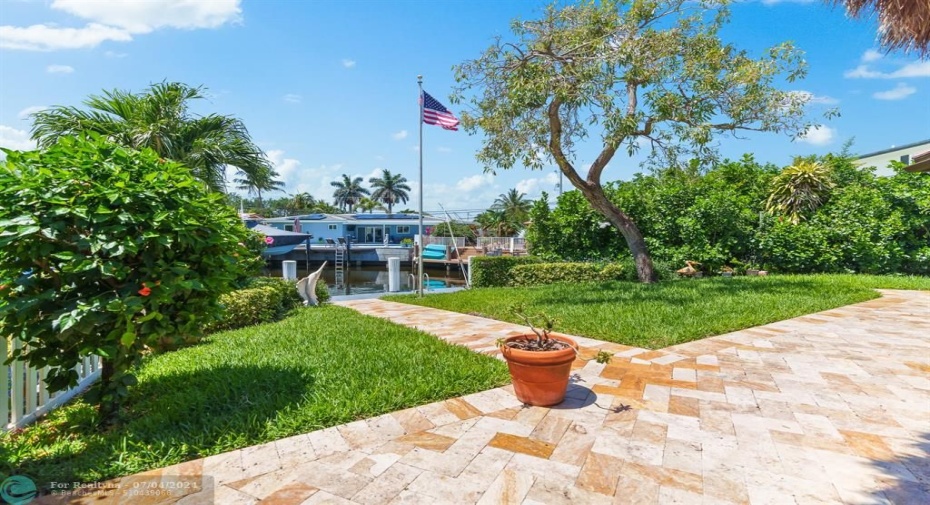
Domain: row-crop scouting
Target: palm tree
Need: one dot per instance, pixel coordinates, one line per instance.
(368, 205)
(799, 188)
(903, 24)
(515, 208)
(301, 202)
(158, 119)
(348, 192)
(390, 189)
(255, 183)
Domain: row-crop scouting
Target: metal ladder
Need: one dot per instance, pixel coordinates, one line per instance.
(340, 262)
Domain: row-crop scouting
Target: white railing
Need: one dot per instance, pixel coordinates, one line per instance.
(23, 395)
(459, 241)
(509, 244)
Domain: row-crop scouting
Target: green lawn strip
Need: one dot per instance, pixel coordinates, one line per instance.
(659, 315)
(318, 368)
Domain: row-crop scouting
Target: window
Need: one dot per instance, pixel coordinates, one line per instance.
(332, 227)
(906, 159)
(288, 227)
(403, 229)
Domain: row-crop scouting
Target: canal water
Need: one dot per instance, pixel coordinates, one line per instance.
(374, 279)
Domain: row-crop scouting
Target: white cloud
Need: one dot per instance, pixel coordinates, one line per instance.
(818, 135)
(143, 16)
(913, 69)
(474, 182)
(443, 150)
(114, 54)
(816, 99)
(59, 69)
(348, 63)
(24, 114)
(401, 135)
(293, 98)
(118, 21)
(533, 187)
(899, 92)
(17, 140)
(50, 38)
(871, 55)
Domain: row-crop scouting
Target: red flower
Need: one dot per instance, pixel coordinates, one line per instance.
(145, 291)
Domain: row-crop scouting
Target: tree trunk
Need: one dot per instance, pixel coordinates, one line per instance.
(634, 238)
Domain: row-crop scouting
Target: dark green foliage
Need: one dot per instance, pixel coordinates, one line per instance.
(489, 271)
(248, 307)
(865, 224)
(109, 251)
(550, 273)
(315, 369)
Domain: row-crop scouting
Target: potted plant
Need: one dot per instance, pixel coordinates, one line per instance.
(407, 242)
(726, 271)
(540, 363)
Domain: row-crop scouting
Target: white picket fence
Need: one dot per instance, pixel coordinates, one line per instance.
(509, 244)
(459, 241)
(27, 398)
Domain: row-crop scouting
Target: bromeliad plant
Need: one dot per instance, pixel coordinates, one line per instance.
(112, 252)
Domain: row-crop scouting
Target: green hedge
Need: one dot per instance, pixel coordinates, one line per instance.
(288, 290)
(247, 307)
(265, 299)
(550, 273)
(494, 271)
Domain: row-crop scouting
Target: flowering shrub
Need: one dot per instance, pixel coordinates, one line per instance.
(111, 252)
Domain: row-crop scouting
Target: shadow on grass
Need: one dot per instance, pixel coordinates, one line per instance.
(170, 418)
(902, 488)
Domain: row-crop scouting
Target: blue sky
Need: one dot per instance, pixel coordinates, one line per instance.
(329, 87)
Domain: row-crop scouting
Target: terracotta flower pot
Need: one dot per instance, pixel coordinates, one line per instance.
(540, 378)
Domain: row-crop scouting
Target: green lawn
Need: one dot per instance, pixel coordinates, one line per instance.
(318, 368)
(672, 312)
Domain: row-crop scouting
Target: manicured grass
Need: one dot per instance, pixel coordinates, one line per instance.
(318, 368)
(672, 312)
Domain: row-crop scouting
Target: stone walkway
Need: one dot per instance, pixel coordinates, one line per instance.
(832, 407)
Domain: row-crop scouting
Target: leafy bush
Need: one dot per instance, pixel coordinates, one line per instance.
(247, 307)
(288, 289)
(550, 273)
(109, 251)
(491, 271)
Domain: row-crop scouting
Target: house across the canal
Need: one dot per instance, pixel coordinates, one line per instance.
(357, 228)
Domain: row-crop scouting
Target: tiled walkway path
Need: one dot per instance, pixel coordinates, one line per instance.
(832, 407)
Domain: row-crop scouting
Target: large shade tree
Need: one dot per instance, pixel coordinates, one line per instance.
(159, 118)
(630, 73)
(390, 189)
(349, 192)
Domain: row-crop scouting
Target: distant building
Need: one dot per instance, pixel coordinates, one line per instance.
(357, 228)
(905, 154)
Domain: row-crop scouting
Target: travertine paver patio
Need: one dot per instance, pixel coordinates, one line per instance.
(832, 407)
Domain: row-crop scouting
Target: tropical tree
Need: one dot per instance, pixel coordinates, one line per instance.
(158, 118)
(348, 192)
(255, 183)
(515, 206)
(368, 205)
(300, 202)
(633, 73)
(903, 24)
(799, 189)
(390, 189)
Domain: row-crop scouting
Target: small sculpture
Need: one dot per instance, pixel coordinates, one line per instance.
(306, 287)
(689, 271)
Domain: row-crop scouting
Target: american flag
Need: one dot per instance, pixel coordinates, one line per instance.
(435, 113)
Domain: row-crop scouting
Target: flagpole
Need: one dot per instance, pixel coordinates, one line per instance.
(420, 228)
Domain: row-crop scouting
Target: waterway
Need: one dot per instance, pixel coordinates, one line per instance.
(374, 279)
